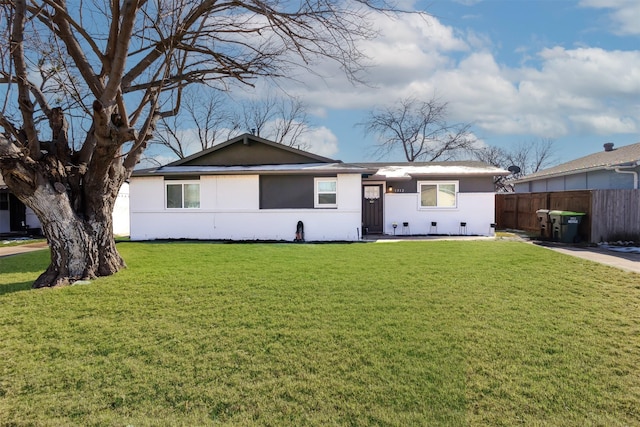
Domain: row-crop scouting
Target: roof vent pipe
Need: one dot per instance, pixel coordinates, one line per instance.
(608, 146)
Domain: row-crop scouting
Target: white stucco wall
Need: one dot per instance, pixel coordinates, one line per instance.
(121, 212)
(230, 210)
(476, 209)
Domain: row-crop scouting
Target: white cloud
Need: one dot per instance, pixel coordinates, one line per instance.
(409, 48)
(548, 100)
(320, 141)
(468, 2)
(557, 91)
(603, 124)
(624, 14)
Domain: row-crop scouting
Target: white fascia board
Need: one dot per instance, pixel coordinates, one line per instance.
(407, 172)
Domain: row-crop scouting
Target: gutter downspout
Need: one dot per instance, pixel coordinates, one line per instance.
(617, 169)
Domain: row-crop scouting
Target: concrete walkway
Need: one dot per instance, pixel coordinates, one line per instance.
(21, 249)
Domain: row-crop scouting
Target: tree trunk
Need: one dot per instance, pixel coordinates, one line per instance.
(81, 248)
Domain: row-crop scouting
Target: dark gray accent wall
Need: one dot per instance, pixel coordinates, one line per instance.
(470, 184)
(182, 178)
(477, 184)
(408, 186)
(286, 192)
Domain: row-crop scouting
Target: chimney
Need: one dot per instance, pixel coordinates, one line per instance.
(608, 146)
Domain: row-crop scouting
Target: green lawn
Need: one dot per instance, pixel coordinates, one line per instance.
(394, 334)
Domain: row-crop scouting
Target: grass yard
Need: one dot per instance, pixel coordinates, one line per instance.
(388, 334)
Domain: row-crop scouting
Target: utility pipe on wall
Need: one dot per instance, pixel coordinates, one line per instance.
(618, 169)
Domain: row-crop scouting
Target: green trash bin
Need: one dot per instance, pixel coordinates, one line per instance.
(564, 225)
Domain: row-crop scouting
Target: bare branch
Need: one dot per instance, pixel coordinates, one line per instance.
(127, 19)
(24, 100)
(419, 129)
(62, 23)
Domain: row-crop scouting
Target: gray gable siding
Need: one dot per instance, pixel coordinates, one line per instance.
(253, 154)
(592, 180)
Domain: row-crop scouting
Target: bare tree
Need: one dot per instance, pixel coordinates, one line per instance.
(206, 113)
(532, 156)
(522, 159)
(209, 117)
(120, 66)
(419, 129)
(280, 119)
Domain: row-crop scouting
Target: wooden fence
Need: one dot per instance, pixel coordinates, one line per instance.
(616, 215)
(611, 214)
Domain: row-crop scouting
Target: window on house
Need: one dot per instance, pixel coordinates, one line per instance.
(4, 201)
(326, 193)
(438, 194)
(183, 195)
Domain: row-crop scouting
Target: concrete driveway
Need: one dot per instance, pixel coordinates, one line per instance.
(625, 261)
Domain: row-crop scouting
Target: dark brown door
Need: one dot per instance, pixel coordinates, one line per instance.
(372, 198)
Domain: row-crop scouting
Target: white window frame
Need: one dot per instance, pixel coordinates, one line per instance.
(438, 184)
(317, 193)
(181, 184)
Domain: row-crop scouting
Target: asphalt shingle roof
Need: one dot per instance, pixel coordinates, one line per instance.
(627, 155)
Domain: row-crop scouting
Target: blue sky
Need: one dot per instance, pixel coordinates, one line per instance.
(518, 70)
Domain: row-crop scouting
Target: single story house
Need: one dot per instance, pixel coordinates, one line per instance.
(611, 168)
(250, 188)
(15, 217)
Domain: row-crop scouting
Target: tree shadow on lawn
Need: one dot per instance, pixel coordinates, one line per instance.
(31, 264)
(15, 287)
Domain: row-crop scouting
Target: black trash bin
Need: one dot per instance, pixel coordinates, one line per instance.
(543, 219)
(565, 225)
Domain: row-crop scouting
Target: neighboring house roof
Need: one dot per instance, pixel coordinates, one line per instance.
(610, 157)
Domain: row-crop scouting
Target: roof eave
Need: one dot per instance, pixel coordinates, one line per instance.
(574, 171)
(310, 171)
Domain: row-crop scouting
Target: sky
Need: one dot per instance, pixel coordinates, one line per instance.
(518, 70)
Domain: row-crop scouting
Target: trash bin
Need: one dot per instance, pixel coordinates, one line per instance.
(543, 219)
(565, 225)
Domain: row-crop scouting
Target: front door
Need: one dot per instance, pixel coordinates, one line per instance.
(372, 198)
